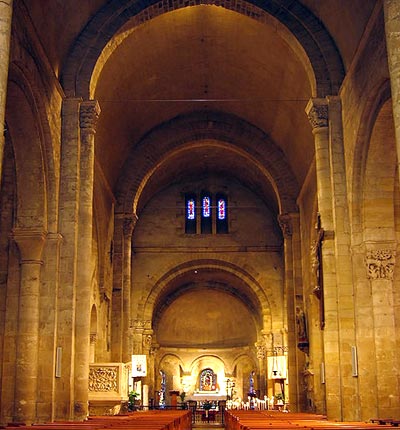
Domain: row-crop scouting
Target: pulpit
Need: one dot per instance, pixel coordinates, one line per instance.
(174, 398)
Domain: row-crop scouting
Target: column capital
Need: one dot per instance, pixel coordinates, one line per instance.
(89, 114)
(30, 242)
(285, 223)
(317, 112)
(129, 223)
(380, 259)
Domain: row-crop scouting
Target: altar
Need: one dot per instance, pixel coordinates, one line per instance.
(212, 396)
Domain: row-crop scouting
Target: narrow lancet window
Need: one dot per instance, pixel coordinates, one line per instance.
(206, 218)
(190, 219)
(222, 214)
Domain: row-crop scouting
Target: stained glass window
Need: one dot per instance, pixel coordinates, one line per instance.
(208, 380)
(222, 214)
(200, 213)
(191, 209)
(221, 209)
(206, 218)
(206, 206)
(190, 214)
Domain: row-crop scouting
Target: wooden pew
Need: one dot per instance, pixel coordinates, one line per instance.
(140, 420)
(271, 420)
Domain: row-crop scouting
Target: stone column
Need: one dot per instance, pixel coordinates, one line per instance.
(380, 262)
(317, 111)
(116, 302)
(392, 29)
(261, 352)
(127, 347)
(149, 352)
(122, 346)
(68, 228)
(30, 243)
(289, 224)
(5, 37)
(89, 113)
(48, 328)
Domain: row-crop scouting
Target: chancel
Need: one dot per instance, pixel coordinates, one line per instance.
(199, 209)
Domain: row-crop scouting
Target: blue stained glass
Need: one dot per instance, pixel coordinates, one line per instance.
(221, 209)
(191, 209)
(206, 206)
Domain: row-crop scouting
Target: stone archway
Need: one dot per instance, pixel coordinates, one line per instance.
(29, 230)
(375, 221)
(326, 65)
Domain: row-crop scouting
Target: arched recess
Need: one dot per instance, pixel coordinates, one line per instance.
(28, 127)
(31, 191)
(308, 30)
(375, 222)
(202, 362)
(243, 285)
(243, 366)
(359, 187)
(170, 365)
(260, 155)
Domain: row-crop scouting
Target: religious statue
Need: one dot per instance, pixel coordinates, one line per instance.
(302, 336)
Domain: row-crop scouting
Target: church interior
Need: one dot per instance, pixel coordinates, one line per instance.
(199, 202)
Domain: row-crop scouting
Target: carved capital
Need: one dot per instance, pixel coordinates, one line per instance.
(89, 115)
(261, 351)
(285, 223)
(317, 113)
(140, 325)
(147, 340)
(30, 243)
(380, 263)
(128, 225)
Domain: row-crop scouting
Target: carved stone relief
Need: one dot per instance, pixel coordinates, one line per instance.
(103, 379)
(380, 264)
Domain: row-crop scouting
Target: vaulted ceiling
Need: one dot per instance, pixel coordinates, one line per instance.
(260, 64)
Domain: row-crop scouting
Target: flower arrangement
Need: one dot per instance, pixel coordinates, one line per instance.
(207, 405)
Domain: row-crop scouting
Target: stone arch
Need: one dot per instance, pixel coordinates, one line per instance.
(380, 177)
(203, 361)
(255, 294)
(243, 364)
(30, 175)
(381, 95)
(36, 182)
(307, 29)
(228, 130)
(170, 369)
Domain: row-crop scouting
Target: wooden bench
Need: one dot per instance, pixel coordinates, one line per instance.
(143, 420)
(271, 420)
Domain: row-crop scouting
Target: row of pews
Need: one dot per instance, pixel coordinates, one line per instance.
(276, 420)
(140, 420)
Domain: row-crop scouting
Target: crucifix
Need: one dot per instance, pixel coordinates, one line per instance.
(316, 268)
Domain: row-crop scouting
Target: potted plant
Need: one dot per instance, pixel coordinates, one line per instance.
(132, 400)
(182, 396)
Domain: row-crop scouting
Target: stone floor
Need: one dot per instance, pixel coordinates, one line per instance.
(207, 426)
